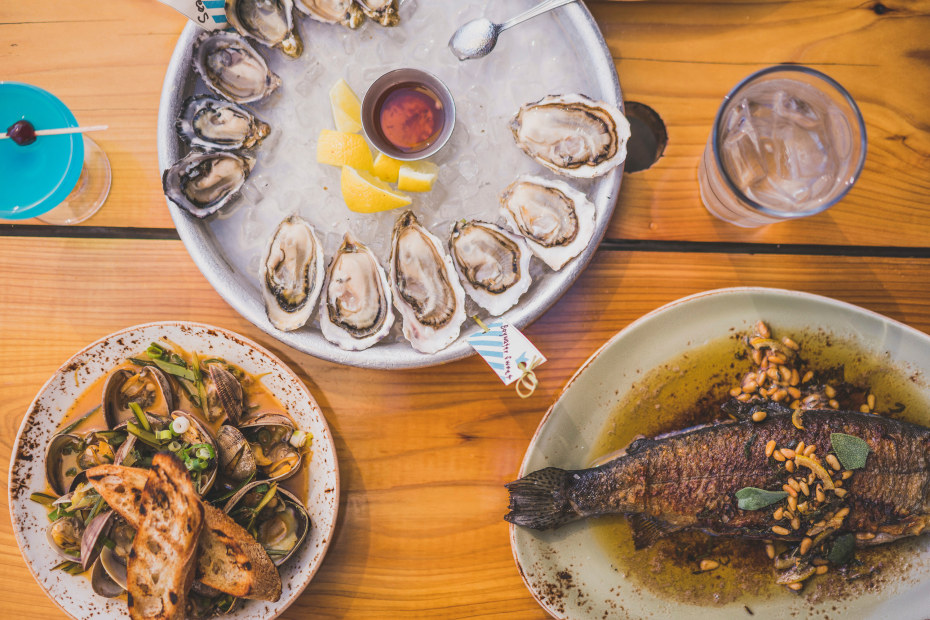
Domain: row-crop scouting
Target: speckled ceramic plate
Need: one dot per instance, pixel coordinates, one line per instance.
(568, 570)
(27, 474)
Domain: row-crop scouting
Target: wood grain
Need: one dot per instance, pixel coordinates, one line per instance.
(423, 454)
(107, 61)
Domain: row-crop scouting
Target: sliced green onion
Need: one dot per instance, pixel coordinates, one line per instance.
(203, 450)
(43, 498)
(273, 488)
(174, 369)
(174, 446)
(144, 436)
(164, 435)
(77, 422)
(140, 415)
(155, 350)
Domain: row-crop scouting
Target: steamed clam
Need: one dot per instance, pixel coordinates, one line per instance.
(231, 68)
(271, 438)
(291, 274)
(270, 22)
(237, 463)
(556, 220)
(493, 264)
(149, 389)
(344, 12)
(211, 123)
(203, 182)
(572, 134)
(382, 11)
(427, 292)
(356, 308)
(277, 519)
(224, 394)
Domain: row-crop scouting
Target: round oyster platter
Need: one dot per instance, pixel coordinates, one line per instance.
(553, 58)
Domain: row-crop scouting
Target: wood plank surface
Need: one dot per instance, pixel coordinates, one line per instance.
(107, 61)
(423, 453)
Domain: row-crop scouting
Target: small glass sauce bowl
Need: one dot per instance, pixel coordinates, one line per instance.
(408, 114)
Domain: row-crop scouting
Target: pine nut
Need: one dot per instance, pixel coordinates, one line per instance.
(822, 570)
(709, 564)
(744, 397)
(791, 344)
(789, 466)
(778, 456)
(792, 503)
(829, 391)
(770, 551)
(788, 453)
(847, 475)
(810, 450)
(807, 376)
(769, 448)
(871, 401)
(840, 492)
(795, 586)
(787, 489)
(778, 514)
(794, 392)
(834, 405)
(795, 523)
(758, 416)
(735, 392)
(804, 488)
(805, 545)
(782, 531)
(833, 462)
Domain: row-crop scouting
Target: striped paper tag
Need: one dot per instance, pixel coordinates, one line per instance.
(208, 14)
(504, 347)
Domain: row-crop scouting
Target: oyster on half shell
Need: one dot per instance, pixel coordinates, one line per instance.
(344, 12)
(291, 274)
(492, 263)
(382, 11)
(556, 220)
(270, 22)
(203, 182)
(231, 68)
(427, 292)
(572, 135)
(356, 309)
(208, 122)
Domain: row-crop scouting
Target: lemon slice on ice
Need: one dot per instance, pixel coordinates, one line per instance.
(339, 148)
(366, 193)
(387, 168)
(417, 176)
(347, 109)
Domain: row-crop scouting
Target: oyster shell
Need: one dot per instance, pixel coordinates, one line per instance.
(344, 12)
(204, 182)
(427, 292)
(382, 11)
(211, 123)
(231, 68)
(572, 135)
(493, 264)
(270, 22)
(356, 309)
(556, 220)
(291, 274)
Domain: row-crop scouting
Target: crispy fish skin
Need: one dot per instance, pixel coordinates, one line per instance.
(687, 479)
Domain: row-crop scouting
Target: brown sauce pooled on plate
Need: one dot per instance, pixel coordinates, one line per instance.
(689, 390)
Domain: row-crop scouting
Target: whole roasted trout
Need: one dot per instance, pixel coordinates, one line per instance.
(689, 480)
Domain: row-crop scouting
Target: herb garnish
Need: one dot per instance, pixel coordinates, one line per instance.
(842, 550)
(851, 451)
(751, 498)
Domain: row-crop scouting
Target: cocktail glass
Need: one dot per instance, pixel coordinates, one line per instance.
(788, 142)
(60, 179)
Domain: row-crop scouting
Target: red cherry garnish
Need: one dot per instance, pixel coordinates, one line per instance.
(22, 133)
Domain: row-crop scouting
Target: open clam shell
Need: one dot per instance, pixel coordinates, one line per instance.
(269, 435)
(228, 391)
(64, 536)
(236, 461)
(280, 527)
(101, 581)
(270, 22)
(61, 461)
(149, 388)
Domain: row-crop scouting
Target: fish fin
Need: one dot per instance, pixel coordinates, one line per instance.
(647, 530)
(540, 500)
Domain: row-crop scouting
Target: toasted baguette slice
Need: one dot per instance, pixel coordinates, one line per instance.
(230, 559)
(163, 557)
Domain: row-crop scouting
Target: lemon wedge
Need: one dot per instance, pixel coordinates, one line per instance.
(347, 109)
(417, 176)
(339, 148)
(366, 193)
(387, 168)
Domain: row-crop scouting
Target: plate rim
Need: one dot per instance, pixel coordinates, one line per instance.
(719, 292)
(198, 240)
(234, 336)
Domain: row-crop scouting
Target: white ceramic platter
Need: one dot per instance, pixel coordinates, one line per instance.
(27, 473)
(568, 571)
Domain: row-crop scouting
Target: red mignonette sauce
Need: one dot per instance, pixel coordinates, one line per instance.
(410, 116)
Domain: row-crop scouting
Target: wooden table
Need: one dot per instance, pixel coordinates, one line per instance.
(424, 453)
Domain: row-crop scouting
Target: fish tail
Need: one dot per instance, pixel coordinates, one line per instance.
(540, 500)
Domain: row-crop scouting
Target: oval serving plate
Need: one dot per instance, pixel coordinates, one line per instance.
(73, 594)
(567, 570)
(216, 244)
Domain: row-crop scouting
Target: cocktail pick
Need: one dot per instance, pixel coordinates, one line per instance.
(61, 131)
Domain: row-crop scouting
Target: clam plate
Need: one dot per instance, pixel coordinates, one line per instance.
(562, 51)
(73, 594)
(568, 571)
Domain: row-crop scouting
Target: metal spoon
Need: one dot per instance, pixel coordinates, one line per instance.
(478, 37)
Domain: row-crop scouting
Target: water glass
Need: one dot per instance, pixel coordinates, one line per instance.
(787, 142)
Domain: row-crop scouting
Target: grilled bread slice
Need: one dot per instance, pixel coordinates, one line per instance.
(230, 559)
(163, 557)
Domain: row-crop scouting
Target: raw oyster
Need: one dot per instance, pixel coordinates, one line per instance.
(556, 220)
(291, 274)
(203, 182)
(211, 123)
(270, 22)
(572, 134)
(492, 263)
(231, 68)
(344, 12)
(382, 11)
(427, 292)
(356, 309)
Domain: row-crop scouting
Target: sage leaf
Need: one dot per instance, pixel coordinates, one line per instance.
(751, 498)
(842, 550)
(850, 450)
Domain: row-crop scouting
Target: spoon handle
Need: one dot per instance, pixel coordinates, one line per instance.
(539, 9)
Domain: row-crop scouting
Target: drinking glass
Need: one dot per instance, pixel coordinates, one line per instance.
(787, 142)
(61, 179)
